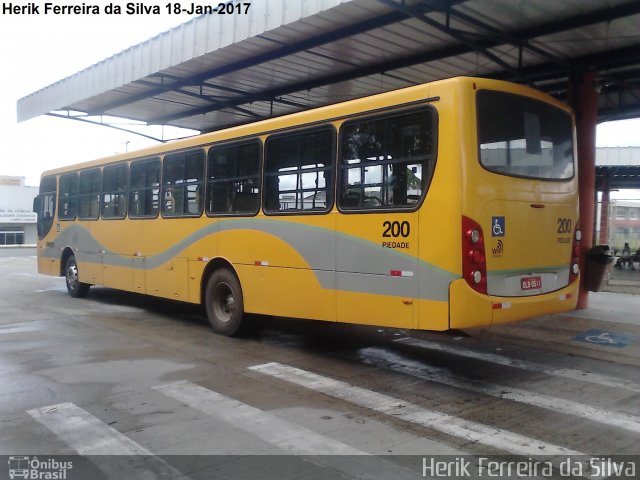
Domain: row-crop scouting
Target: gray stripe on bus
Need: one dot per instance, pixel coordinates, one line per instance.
(321, 248)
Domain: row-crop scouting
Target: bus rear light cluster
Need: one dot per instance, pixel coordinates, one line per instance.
(474, 265)
(575, 254)
(576, 251)
(473, 235)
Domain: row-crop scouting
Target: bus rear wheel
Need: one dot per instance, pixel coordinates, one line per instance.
(224, 303)
(75, 287)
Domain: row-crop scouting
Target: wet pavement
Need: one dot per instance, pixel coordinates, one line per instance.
(141, 388)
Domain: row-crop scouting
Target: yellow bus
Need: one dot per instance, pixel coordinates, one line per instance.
(451, 204)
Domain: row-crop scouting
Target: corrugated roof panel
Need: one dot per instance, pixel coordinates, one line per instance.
(594, 38)
(381, 41)
(421, 73)
(515, 15)
(165, 50)
(400, 40)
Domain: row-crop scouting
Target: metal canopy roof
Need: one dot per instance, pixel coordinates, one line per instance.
(287, 55)
(618, 177)
(617, 168)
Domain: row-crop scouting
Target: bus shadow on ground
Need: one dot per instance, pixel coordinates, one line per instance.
(348, 342)
(182, 311)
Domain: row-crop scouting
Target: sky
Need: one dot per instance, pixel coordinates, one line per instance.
(38, 50)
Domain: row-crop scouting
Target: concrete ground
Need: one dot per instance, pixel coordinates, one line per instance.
(141, 388)
(624, 280)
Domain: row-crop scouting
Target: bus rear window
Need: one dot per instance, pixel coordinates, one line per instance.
(522, 137)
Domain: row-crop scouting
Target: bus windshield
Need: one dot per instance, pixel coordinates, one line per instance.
(523, 137)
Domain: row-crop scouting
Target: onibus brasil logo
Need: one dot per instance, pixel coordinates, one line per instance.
(35, 469)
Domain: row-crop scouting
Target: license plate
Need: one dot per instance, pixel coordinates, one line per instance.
(530, 283)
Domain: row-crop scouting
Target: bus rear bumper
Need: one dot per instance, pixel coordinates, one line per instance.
(468, 308)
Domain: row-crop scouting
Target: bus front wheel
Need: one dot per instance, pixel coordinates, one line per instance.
(75, 287)
(224, 303)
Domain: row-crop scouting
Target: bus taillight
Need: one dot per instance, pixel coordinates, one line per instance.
(474, 265)
(574, 268)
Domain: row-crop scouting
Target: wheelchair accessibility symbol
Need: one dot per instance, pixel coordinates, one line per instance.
(497, 226)
(606, 339)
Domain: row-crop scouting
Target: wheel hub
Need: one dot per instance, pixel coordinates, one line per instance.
(72, 275)
(225, 304)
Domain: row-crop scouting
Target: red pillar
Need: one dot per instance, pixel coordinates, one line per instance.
(585, 103)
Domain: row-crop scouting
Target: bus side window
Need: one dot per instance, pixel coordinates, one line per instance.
(387, 161)
(114, 191)
(183, 179)
(233, 179)
(89, 194)
(68, 198)
(299, 171)
(144, 188)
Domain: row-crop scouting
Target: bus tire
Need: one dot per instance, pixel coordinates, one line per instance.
(224, 303)
(75, 287)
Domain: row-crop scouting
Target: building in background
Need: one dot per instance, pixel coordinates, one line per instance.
(618, 180)
(624, 224)
(17, 220)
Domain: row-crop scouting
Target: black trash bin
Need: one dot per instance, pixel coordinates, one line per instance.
(599, 261)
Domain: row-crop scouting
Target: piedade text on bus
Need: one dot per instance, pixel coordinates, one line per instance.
(396, 230)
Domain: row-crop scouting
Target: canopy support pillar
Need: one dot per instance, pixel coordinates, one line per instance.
(585, 103)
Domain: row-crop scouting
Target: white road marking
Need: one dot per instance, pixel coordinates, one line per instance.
(459, 350)
(264, 425)
(84, 432)
(498, 438)
(560, 405)
(292, 438)
(87, 435)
